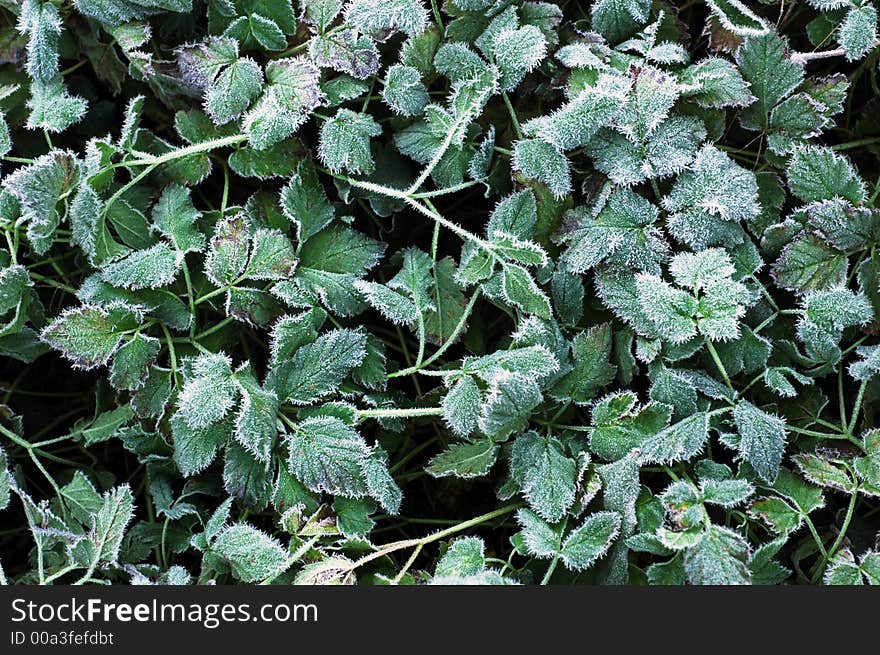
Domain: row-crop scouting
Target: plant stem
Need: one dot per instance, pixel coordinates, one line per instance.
(437, 536)
(399, 413)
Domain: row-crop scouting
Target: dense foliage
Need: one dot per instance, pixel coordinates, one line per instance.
(487, 291)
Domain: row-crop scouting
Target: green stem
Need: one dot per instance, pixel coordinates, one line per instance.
(718, 364)
(399, 413)
(854, 418)
(437, 536)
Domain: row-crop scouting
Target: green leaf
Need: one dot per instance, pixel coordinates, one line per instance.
(331, 261)
(464, 460)
(818, 173)
(541, 539)
(618, 19)
(196, 448)
(461, 406)
(252, 555)
(621, 424)
(305, 203)
(345, 142)
(858, 32)
(89, 335)
(508, 405)
(762, 439)
(810, 262)
(521, 290)
(591, 366)
(547, 477)
(327, 455)
(132, 361)
(718, 559)
(541, 161)
(590, 541)
(317, 369)
(272, 256)
(771, 75)
(176, 218)
(255, 423)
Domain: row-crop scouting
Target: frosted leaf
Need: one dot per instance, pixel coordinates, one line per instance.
(394, 306)
(404, 91)
(52, 107)
(41, 21)
(712, 189)
(670, 310)
(144, 269)
(715, 82)
(590, 541)
(652, 96)
(718, 559)
(517, 52)
(545, 474)
(327, 455)
(347, 52)
(736, 17)
(622, 232)
(793, 121)
(321, 13)
(464, 460)
(521, 290)
(535, 361)
(233, 90)
(818, 173)
(621, 424)
(461, 406)
(209, 392)
(701, 270)
(89, 335)
(317, 369)
(345, 142)
(255, 422)
(508, 405)
(252, 555)
(668, 151)
(291, 93)
(384, 17)
(762, 439)
(541, 161)
(618, 19)
(858, 32)
(132, 361)
(515, 214)
(575, 123)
